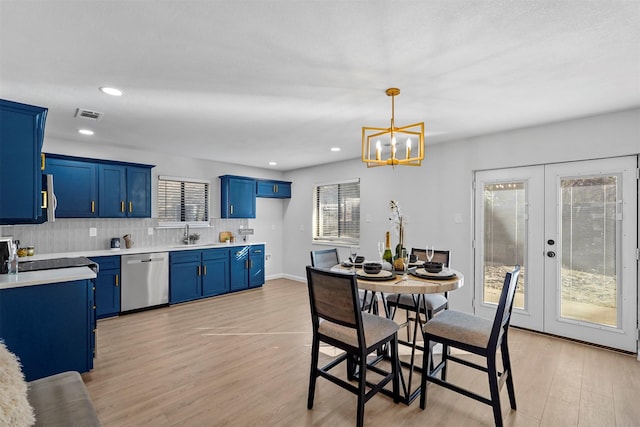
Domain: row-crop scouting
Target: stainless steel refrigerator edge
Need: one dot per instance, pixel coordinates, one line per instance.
(145, 280)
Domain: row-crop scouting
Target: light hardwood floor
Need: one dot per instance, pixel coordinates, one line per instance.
(243, 360)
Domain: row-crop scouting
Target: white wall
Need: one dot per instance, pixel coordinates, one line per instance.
(268, 224)
(432, 195)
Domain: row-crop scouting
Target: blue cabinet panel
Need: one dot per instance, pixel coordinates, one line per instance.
(107, 293)
(198, 273)
(100, 188)
(138, 192)
(50, 327)
(256, 266)
(237, 197)
(112, 190)
(75, 185)
(21, 138)
(273, 189)
(247, 267)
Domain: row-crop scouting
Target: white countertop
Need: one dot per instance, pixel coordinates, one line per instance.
(136, 250)
(31, 278)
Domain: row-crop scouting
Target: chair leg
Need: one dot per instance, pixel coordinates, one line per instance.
(395, 369)
(315, 351)
(494, 389)
(445, 358)
(506, 363)
(427, 360)
(362, 389)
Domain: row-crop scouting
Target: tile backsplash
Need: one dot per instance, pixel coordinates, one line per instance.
(72, 235)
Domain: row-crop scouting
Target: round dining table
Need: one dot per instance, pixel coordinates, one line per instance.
(417, 283)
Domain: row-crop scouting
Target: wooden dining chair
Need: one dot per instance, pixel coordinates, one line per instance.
(434, 302)
(478, 336)
(327, 258)
(338, 321)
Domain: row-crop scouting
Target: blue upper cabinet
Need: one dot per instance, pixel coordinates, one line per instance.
(273, 189)
(75, 184)
(100, 188)
(113, 191)
(237, 197)
(21, 138)
(124, 191)
(138, 192)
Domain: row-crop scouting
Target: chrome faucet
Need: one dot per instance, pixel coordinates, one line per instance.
(186, 233)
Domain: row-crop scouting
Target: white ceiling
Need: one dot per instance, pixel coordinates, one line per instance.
(252, 81)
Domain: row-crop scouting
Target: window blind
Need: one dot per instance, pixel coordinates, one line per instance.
(337, 212)
(183, 200)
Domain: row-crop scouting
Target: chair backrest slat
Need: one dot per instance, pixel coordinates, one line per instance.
(505, 307)
(334, 297)
(438, 256)
(325, 258)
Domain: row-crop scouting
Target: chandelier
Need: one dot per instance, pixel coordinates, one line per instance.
(384, 146)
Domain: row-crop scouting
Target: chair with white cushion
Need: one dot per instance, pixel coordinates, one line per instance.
(475, 335)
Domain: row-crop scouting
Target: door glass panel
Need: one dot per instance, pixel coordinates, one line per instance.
(589, 280)
(505, 231)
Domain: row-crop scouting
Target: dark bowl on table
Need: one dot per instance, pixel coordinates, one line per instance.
(372, 267)
(433, 267)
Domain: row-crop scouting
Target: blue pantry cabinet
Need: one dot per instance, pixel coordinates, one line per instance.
(50, 327)
(21, 139)
(194, 274)
(107, 286)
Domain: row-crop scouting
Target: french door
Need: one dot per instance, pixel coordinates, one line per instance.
(573, 229)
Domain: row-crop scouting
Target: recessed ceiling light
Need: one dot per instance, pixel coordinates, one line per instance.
(272, 163)
(111, 91)
(335, 148)
(85, 131)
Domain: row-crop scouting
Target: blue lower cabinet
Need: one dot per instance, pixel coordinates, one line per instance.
(247, 267)
(107, 286)
(49, 327)
(196, 274)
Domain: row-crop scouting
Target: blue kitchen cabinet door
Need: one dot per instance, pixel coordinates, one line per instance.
(138, 192)
(239, 268)
(21, 138)
(274, 189)
(112, 191)
(237, 197)
(215, 268)
(107, 293)
(75, 185)
(256, 266)
(49, 327)
(184, 282)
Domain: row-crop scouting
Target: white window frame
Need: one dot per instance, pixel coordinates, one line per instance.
(164, 223)
(345, 236)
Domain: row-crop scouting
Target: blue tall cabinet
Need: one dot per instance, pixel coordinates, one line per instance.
(21, 139)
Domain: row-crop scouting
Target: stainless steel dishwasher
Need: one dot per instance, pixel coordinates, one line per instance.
(145, 280)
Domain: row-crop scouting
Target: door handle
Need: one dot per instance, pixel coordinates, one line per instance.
(551, 254)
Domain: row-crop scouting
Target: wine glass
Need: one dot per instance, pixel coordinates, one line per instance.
(430, 253)
(353, 250)
(381, 249)
(405, 263)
